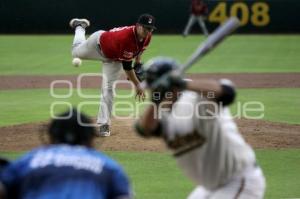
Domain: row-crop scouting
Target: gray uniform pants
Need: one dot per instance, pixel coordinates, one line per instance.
(89, 49)
(250, 185)
(191, 22)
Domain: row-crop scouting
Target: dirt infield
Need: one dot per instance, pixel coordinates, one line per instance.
(260, 134)
(242, 80)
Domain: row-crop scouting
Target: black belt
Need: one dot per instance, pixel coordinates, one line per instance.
(99, 47)
(100, 51)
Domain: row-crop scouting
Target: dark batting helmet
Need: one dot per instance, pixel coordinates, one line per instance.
(72, 128)
(157, 67)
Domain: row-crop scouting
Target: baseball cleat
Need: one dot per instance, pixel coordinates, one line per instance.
(104, 131)
(79, 22)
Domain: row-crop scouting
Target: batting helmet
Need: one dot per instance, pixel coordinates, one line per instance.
(72, 128)
(157, 67)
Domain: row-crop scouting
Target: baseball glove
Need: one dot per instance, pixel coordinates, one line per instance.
(139, 72)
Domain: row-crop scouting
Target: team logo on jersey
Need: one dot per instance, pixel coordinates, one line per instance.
(186, 143)
(128, 54)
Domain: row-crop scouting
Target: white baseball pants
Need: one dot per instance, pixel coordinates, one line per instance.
(191, 22)
(111, 70)
(251, 185)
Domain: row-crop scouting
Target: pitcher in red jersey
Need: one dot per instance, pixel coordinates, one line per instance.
(116, 48)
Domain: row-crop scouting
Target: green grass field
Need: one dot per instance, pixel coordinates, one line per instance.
(163, 179)
(155, 175)
(279, 104)
(50, 55)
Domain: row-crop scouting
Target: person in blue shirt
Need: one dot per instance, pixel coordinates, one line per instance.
(68, 167)
(3, 164)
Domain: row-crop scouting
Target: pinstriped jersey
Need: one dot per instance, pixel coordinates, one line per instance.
(205, 141)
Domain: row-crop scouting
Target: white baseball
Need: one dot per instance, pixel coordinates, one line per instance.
(76, 61)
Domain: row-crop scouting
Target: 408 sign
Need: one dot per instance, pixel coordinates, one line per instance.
(251, 13)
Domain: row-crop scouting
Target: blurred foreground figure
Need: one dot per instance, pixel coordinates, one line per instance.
(194, 120)
(66, 168)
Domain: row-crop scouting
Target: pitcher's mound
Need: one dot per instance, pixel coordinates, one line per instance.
(260, 134)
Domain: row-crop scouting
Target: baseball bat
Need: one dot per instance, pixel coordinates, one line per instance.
(212, 41)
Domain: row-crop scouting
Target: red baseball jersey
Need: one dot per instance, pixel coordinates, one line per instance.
(122, 44)
(199, 7)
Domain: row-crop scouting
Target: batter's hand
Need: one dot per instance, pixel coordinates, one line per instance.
(140, 93)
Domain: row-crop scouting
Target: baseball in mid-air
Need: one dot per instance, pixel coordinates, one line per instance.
(76, 61)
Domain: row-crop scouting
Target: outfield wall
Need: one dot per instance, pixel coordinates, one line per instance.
(52, 16)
